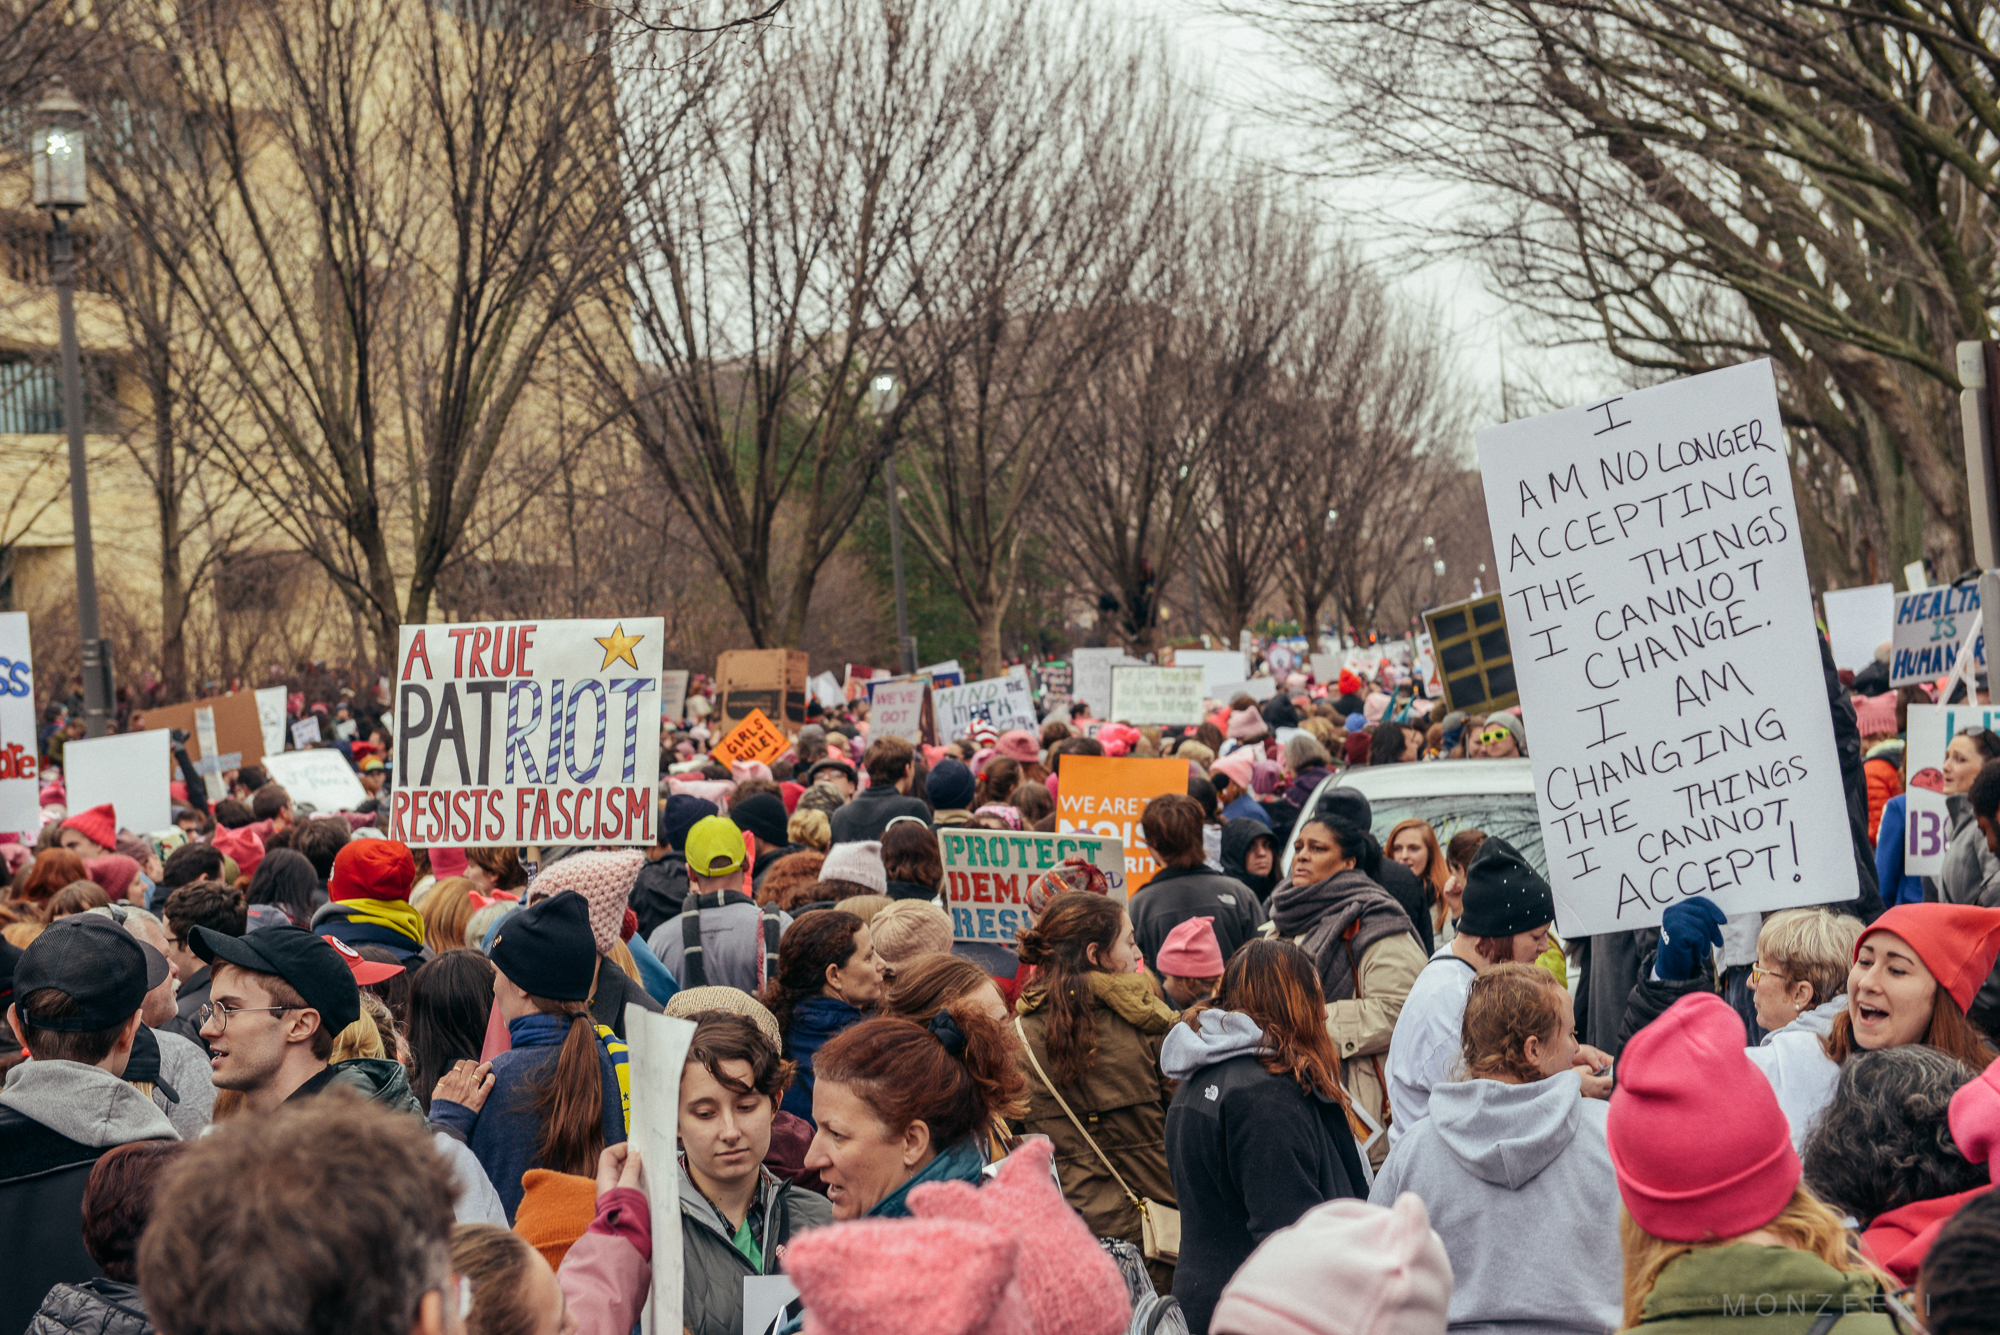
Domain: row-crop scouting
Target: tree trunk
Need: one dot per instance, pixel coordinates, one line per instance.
(167, 497)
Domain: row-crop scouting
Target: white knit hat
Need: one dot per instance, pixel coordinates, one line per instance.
(1388, 1266)
(860, 863)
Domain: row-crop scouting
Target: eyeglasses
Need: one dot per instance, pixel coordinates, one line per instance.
(1758, 973)
(1492, 735)
(211, 1009)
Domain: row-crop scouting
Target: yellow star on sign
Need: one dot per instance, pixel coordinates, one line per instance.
(618, 645)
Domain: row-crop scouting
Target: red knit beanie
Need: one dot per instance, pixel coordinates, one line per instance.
(1701, 1147)
(99, 825)
(1958, 943)
(372, 869)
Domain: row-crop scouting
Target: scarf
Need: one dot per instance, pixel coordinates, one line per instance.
(963, 1162)
(1337, 920)
(395, 914)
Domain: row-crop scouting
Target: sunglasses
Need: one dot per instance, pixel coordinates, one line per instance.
(1492, 735)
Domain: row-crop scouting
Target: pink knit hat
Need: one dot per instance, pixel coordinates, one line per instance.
(1190, 951)
(908, 1277)
(1701, 1147)
(1975, 1117)
(1245, 724)
(1387, 1266)
(1021, 745)
(1375, 706)
(1239, 765)
(1875, 715)
(605, 882)
(99, 825)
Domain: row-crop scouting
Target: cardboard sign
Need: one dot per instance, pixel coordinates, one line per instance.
(1107, 795)
(271, 717)
(1093, 676)
(1928, 629)
(987, 874)
(1475, 658)
(322, 779)
(237, 726)
(902, 708)
(1926, 831)
(305, 732)
(674, 695)
(1668, 662)
(1004, 702)
(1259, 689)
(1163, 695)
(656, 1050)
(773, 680)
(1218, 666)
(129, 770)
(528, 732)
(20, 748)
(754, 741)
(1858, 621)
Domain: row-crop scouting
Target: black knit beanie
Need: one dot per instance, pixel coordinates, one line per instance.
(1503, 894)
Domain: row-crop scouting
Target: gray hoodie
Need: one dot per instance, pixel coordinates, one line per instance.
(1510, 1173)
(1224, 1034)
(184, 1066)
(88, 1104)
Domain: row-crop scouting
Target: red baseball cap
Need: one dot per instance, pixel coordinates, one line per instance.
(366, 971)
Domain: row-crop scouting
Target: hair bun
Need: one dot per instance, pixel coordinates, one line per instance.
(946, 1031)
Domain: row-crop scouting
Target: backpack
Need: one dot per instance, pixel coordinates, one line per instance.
(1152, 1313)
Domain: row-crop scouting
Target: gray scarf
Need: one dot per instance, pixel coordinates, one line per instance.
(1323, 914)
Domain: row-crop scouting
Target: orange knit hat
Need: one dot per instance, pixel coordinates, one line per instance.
(555, 1210)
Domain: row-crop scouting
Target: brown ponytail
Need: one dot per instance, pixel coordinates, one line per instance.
(1057, 946)
(569, 1102)
(905, 1073)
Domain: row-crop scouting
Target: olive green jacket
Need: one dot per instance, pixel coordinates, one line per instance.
(1745, 1289)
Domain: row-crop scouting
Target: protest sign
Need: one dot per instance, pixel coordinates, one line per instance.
(1926, 831)
(1858, 621)
(1218, 666)
(321, 779)
(129, 770)
(773, 680)
(1282, 657)
(754, 741)
(1092, 684)
(674, 695)
(1475, 658)
(1668, 663)
(271, 717)
(225, 732)
(947, 673)
(1163, 695)
(1106, 795)
(1931, 727)
(20, 745)
(855, 686)
(536, 732)
(656, 1050)
(1423, 667)
(1326, 668)
(826, 689)
(1004, 702)
(1055, 682)
(902, 708)
(1929, 627)
(305, 732)
(1259, 689)
(987, 874)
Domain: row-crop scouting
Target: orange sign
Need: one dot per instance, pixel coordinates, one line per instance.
(754, 741)
(1107, 795)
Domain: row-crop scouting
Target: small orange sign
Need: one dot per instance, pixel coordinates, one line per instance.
(754, 741)
(1107, 795)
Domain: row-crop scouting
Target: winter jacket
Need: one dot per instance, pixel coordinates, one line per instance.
(1971, 876)
(732, 943)
(1306, 781)
(870, 812)
(93, 1307)
(1424, 1051)
(1413, 893)
(1122, 1100)
(375, 1078)
(1651, 996)
(607, 1273)
(659, 892)
(814, 1021)
(1794, 1060)
(1883, 773)
(1867, 903)
(56, 1118)
(178, 1070)
(502, 1134)
(614, 989)
(1508, 1171)
(1239, 837)
(1896, 887)
(1899, 1240)
(1610, 964)
(1745, 1289)
(1176, 894)
(713, 1270)
(1249, 1151)
(1246, 807)
(345, 921)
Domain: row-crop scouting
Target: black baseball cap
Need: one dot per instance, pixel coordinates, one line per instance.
(98, 964)
(314, 969)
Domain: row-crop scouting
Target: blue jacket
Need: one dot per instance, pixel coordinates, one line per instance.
(502, 1134)
(1246, 807)
(814, 1021)
(1896, 887)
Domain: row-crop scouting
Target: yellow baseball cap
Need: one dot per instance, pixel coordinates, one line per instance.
(714, 847)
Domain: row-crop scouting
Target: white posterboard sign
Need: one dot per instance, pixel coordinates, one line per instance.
(1163, 695)
(657, 1047)
(1928, 628)
(20, 748)
(1259, 689)
(1326, 667)
(1669, 667)
(528, 732)
(896, 709)
(1930, 730)
(306, 731)
(1093, 676)
(271, 717)
(1218, 666)
(321, 778)
(988, 874)
(1005, 702)
(826, 689)
(129, 770)
(1926, 831)
(1858, 622)
(674, 695)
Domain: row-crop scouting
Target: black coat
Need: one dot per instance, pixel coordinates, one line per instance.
(1408, 889)
(614, 989)
(1250, 1152)
(660, 892)
(92, 1307)
(871, 811)
(42, 1176)
(1176, 894)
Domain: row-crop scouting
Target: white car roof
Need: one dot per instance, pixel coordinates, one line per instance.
(1440, 778)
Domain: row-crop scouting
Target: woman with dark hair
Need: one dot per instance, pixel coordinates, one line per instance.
(117, 1203)
(285, 885)
(1360, 939)
(1259, 1131)
(911, 859)
(1959, 1289)
(450, 999)
(828, 972)
(898, 1104)
(1393, 744)
(1184, 887)
(1886, 1150)
(1090, 1031)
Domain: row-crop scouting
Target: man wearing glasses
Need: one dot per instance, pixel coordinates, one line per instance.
(276, 1000)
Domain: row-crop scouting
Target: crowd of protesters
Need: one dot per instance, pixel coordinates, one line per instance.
(271, 1071)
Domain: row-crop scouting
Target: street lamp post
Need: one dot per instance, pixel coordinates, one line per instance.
(883, 395)
(60, 187)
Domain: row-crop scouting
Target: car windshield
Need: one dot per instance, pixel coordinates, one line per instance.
(1510, 816)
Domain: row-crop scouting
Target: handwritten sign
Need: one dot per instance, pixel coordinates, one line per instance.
(1004, 702)
(1055, 681)
(321, 779)
(674, 695)
(1093, 676)
(305, 732)
(271, 717)
(901, 708)
(1665, 652)
(1930, 625)
(1107, 796)
(1218, 666)
(20, 751)
(1259, 689)
(1166, 695)
(754, 741)
(528, 732)
(987, 875)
